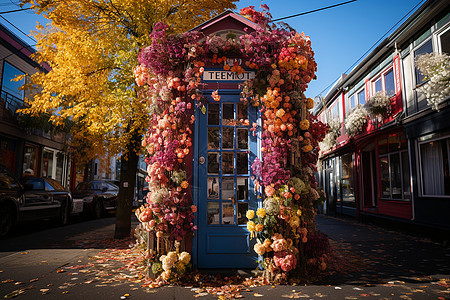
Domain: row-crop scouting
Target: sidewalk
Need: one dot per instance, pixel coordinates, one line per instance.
(370, 263)
(381, 255)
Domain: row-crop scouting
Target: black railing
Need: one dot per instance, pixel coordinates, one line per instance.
(13, 103)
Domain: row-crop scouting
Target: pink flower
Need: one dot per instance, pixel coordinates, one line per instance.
(269, 190)
(285, 260)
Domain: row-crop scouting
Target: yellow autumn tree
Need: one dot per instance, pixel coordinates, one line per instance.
(91, 47)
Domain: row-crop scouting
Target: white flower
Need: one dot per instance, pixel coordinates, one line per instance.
(436, 68)
(356, 120)
(379, 105)
(330, 138)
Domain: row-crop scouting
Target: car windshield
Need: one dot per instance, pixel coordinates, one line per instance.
(86, 186)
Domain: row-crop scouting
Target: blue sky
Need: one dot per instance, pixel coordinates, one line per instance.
(339, 35)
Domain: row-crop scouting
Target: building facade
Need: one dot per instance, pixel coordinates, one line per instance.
(397, 166)
(25, 148)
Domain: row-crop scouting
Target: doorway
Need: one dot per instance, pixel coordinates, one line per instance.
(226, 149)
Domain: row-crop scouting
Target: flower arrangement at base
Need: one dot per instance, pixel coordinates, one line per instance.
(356, 120)
(170, 71)
(379, 105)
(436, 68)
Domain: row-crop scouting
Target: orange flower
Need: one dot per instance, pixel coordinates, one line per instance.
(304, 124)
(226, 67)
(259, 227)
(184, 184)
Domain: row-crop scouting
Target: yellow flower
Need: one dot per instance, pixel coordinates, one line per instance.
(307, 148)
(309, 103)
(299, 212)
(251, 226)
(250, 214)
(304, 124)
(259, 227)
(261, 212)
(259, 249)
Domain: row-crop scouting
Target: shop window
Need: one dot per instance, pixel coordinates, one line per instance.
(30, 156)
(347, 182)
(8, 153)
(434, 161)
(394, 167)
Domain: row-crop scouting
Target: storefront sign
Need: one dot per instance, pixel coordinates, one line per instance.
(221, 75)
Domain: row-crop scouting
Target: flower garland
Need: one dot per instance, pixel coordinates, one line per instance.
(436, 68)
(169, 72)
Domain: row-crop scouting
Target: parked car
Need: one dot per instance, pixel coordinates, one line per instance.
(31, 198)
(98, 197)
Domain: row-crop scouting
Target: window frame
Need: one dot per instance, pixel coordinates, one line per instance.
(437, 37)
(22, 92)
(388, 155)
(363, 92)
(382, 76)
(419, 160)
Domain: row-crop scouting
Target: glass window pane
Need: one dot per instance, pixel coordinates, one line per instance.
(348, 194)
(385, 184)
(228, 163)
(242, 188)
(227, 137)
(445, 41)
(228, 114)
(213, 114)
(242, 138)
(389, 85)
(362, 97)
(378, 87)
(213, 163)
(228, 188)
(228, 213)
(405, 176)
(424, 49)
(396, 176)
(242, 163)
(352, 102)
(213, 188)
(435, 168)
(241, 213)
(242, 114)
(12, 87)
(213, 213)
(213, 138)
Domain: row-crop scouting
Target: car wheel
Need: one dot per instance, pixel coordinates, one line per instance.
(63, 214)
(97, 209)
(6, 220)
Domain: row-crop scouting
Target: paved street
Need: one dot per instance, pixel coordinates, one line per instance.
(72, 262)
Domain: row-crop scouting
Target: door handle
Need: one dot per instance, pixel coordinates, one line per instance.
(201, 160)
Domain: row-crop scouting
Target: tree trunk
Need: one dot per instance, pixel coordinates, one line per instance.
(128, 169)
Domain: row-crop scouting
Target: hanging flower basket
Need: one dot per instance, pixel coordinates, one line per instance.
(379, 106)
(356, 120)
(436, 68)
